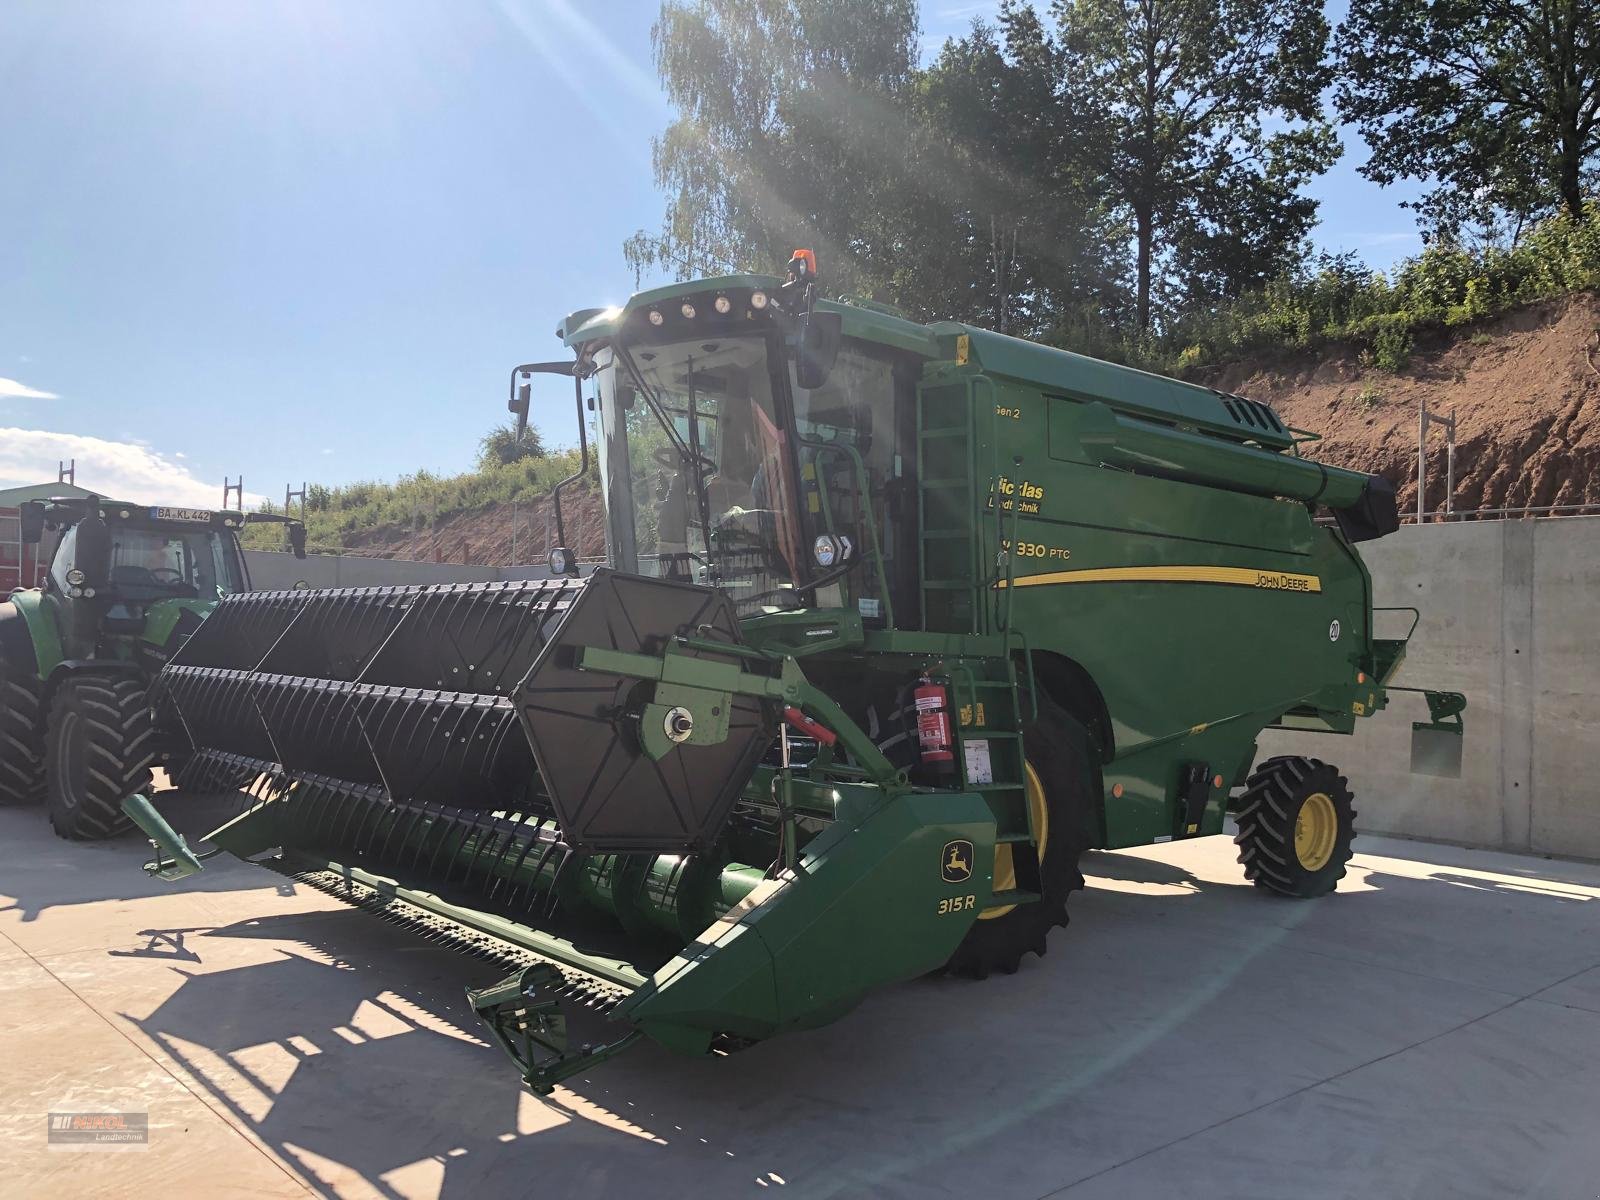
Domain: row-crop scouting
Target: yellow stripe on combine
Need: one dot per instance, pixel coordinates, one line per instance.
(1277, 581)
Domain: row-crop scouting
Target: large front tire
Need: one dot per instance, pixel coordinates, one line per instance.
(1296, 819)
(1059, 792)
(98, 752)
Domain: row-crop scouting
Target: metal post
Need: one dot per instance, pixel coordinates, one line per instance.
(1424, 419)
(1450, 467)
(289, 497)
(233, 489)
(1422, 458)
(67, 472)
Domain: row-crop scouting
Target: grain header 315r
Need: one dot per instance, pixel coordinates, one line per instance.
(898, 620)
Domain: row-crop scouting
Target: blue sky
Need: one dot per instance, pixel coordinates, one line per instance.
(307, 239)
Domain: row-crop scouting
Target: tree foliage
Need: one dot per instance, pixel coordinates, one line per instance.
(1206, 120)
(789, 112)
(1125, 177)
(1495, 101)
(1007, 227)
(1027, 178)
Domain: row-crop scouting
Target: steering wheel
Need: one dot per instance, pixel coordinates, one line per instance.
(668, 458)
(156, 574)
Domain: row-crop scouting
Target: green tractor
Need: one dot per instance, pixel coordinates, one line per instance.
(898, 621)
(127, 584)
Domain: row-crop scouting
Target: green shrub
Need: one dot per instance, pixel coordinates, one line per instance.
(1391, 349)
(1336, 298)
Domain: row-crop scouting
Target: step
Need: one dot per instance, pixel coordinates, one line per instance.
(946, 431)
(942, 484)
(1013, 838)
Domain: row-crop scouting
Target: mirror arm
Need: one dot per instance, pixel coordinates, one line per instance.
(583, 465)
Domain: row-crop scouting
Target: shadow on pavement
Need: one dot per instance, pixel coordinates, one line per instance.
(39, 871)
(355, 1054)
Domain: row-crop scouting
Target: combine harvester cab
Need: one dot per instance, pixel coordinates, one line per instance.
(899, 620)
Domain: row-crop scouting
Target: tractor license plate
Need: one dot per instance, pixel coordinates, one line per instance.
(181, 514)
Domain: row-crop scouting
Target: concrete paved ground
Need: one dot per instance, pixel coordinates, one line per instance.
(1434, 1030)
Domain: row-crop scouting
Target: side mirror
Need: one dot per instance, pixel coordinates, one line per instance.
(522, 392)
(92, 551)
(297, 539)
(820, 335)
(32, 522)
(521, 396)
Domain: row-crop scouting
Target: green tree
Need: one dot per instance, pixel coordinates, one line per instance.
(500, 446)
(1005, 226)
(1205, 118)
(1498, 101)
(790, 113)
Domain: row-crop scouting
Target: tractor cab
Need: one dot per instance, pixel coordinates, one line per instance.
(151, 560)
(119, 570)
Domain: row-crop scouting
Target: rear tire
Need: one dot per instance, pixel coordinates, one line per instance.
(1054, 751)
(98, 752)
(21, 765)
(1296, 824)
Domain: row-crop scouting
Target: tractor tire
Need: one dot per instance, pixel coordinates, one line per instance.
(21, 763)
(1296, 823)
(1000, 940)
(197, 775)
(98, 752)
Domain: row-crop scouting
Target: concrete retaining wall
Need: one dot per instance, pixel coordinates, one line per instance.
(1511, 617)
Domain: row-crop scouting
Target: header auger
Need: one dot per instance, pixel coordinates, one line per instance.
(899, 620)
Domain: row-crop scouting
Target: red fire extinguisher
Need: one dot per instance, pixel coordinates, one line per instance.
(933, 726)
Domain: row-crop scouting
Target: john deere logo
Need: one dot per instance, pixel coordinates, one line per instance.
(956, 864)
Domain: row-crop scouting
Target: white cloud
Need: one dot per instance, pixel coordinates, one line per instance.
(326, 450)
(10, 389)
(120, 470)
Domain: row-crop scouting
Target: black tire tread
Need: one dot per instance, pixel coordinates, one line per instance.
(1001, 944)
(1266, 820)
(21, 760)
(117, 741)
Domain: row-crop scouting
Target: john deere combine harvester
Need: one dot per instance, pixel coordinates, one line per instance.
(127, 583)
(899, 619)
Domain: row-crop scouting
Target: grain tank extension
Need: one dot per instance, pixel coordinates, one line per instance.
(898, 620)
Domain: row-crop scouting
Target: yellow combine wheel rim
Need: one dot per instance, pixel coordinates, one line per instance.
(1316, 829)
(1005, 867)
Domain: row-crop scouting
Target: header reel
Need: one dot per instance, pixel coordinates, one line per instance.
(479, 698)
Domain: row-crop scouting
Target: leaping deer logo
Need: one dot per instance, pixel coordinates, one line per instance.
(956, 862)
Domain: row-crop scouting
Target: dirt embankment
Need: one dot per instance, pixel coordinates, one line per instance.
(484, 536)
(1525, 388)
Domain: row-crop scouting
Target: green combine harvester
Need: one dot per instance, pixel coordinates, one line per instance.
(127, 584)
(898, 621)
